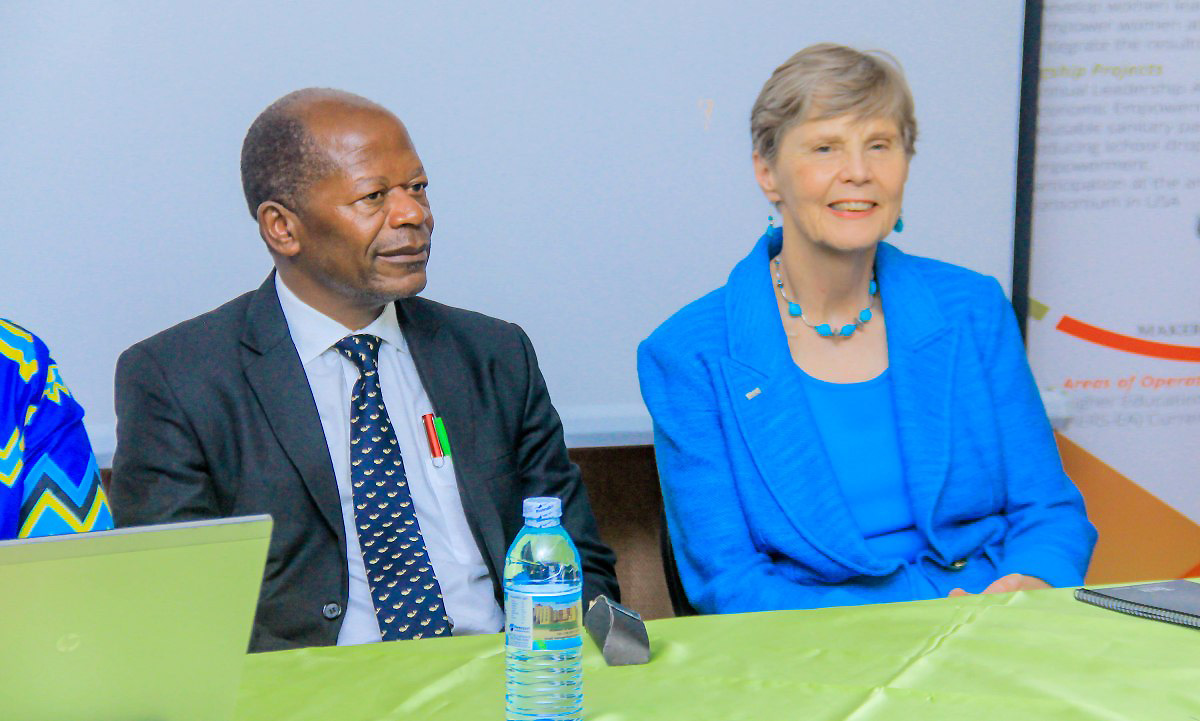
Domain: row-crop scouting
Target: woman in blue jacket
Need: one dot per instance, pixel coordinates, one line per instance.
(843, 423)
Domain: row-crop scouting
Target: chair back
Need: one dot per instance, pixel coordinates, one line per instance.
(679, 600)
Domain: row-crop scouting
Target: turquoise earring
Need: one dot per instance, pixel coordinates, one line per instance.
(899, 226)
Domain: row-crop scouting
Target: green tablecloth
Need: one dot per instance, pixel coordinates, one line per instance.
(1028, 656)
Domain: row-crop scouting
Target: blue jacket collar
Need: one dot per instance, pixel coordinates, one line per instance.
(756, 336)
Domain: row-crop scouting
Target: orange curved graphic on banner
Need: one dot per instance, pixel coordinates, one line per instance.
(1142, 538)
(1129, 344)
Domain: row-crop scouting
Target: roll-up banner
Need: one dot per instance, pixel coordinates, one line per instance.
(1114, 291)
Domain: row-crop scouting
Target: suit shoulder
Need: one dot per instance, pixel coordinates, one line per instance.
(964, 297)
(458, 318)
(208, 334)
(698, 325)
(474, 334)
(946, 273)
(952, 284)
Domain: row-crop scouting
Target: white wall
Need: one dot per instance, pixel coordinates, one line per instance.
(590, 164)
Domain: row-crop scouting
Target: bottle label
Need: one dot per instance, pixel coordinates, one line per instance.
(543, 622)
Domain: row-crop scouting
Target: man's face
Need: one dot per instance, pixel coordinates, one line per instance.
(364, 230)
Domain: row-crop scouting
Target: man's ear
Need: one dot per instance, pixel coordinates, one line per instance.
(278, 227)
(765, 175)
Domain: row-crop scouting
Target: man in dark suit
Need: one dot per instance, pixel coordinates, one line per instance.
(311, 399)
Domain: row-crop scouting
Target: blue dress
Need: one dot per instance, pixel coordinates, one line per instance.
(753, 502)
(49, 481)
(857, 426)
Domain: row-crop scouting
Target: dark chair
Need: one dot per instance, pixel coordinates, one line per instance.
(679, 600)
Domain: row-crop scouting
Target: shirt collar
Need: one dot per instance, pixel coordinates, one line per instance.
(313, 332)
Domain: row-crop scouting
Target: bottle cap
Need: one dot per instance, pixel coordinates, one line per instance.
(542, 507)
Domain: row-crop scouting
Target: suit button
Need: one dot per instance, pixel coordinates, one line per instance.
(959, 565)
(331, 610)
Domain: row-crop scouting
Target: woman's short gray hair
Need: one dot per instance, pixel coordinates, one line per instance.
(827, 80)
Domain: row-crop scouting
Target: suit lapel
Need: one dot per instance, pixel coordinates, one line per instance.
(277, 378)
(922, 350)
(775, 419)
(451, 384)
(779, 430)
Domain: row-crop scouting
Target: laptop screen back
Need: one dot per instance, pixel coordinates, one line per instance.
(137, 624)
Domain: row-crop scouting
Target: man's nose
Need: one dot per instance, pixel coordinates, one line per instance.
(404, 209)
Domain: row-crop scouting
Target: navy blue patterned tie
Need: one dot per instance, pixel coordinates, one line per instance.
(408, 599)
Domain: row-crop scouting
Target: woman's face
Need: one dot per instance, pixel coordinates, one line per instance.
(839, 182)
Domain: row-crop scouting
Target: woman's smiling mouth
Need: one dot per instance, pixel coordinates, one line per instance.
(852, 208)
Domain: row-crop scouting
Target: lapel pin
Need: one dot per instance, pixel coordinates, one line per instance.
(754, 393)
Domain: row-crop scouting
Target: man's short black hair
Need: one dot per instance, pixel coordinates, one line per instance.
(280, 157)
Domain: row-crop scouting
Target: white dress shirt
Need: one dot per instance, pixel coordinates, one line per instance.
(461, 572)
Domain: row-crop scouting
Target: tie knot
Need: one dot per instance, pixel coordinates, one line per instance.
(361, 349)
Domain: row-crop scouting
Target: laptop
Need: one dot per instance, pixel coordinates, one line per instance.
(136, 624)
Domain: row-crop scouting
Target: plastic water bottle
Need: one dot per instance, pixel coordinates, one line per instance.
(543, 639)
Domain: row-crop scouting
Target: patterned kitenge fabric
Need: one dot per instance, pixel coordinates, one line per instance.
(49, 480)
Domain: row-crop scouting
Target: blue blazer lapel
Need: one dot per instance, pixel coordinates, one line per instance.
(922, 350)
(775, 420)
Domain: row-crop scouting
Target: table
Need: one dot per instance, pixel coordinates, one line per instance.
(1028, 656)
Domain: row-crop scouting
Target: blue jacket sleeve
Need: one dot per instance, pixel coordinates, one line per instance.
(721, 568)
(1049, 536)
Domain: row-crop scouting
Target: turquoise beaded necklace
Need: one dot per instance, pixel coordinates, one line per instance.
(824, 329)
